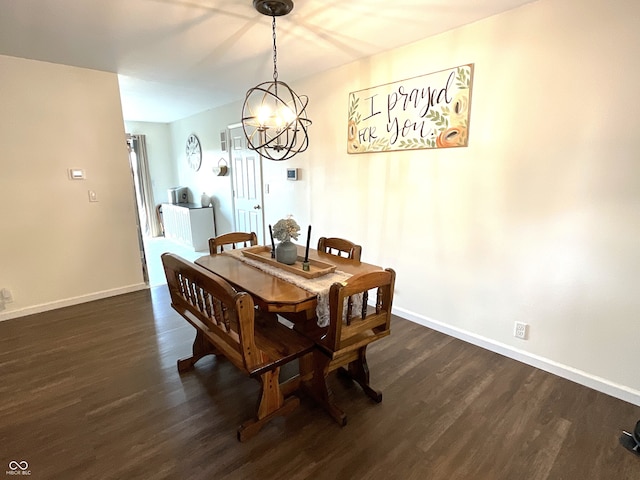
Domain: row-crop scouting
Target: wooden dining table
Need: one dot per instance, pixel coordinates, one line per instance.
(274, 294)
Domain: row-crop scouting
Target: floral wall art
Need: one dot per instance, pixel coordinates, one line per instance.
(429, 111)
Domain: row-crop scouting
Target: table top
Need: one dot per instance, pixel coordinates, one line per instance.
(271, 293)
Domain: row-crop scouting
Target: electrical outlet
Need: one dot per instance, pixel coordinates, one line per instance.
(521, 330)
(93, 196)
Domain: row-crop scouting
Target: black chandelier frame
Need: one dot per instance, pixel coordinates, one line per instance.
(274, 118)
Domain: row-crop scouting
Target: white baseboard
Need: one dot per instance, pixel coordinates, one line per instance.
(583, 378)
(44, 307)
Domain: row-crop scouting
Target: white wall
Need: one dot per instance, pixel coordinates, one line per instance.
(56, 247)
(207, 126)
(537, 220)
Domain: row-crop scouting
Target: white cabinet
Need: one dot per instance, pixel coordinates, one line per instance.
(188, 224)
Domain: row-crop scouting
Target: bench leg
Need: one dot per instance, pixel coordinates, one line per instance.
(201, 348)
(272, 404)
(251, 427)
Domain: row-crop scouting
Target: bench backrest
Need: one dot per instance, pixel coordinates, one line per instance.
(214, 307)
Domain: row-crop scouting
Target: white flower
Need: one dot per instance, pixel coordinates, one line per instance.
(285, 229)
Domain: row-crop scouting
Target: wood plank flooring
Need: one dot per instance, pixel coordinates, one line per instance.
(92, 392)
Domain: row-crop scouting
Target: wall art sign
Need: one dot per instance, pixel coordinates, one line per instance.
(429, 111)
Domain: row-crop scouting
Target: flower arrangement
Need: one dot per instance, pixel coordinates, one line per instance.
(285, 229)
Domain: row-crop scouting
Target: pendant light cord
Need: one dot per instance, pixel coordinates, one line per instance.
(275, 51)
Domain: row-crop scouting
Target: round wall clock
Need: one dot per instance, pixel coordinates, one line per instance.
(194, 152)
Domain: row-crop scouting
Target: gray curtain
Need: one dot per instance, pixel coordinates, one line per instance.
(149, 221)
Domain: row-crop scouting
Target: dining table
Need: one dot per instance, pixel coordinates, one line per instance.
(273, 293)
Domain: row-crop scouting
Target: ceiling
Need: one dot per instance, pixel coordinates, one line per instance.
(176, 58)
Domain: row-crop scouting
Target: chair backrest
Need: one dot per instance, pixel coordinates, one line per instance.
(212, 305)
(340, 247)
(353, 323)
(232, 240)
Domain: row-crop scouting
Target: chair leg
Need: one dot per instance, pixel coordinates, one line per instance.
(359, 371)
(201, 348)
(272, 404)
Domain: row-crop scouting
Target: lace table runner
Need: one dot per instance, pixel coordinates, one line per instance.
(319, 285)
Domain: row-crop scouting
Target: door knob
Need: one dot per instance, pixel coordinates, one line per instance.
(256, 207)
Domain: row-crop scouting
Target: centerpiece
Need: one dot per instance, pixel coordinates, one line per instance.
(284, 230)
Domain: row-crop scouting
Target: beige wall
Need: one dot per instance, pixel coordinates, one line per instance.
(56, 247)
(538, 219)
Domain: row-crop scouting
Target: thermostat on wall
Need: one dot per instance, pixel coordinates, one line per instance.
(292, 174)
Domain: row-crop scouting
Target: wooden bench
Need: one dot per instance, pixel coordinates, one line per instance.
(227, 324)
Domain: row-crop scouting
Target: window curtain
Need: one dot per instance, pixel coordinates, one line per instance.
(149, 222)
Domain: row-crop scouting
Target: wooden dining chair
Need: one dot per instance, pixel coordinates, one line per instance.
(232, 240)
(340, 246)
(228, 325)
(344, 342)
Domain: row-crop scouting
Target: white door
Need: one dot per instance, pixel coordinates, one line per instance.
(247, 185)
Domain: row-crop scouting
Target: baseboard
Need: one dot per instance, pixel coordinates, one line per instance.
(44, 307)
(583, 378)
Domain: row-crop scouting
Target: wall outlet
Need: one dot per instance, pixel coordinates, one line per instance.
(521, 330)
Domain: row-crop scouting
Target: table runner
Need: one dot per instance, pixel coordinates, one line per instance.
(319, 285)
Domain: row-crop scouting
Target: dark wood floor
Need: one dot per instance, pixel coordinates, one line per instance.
(92, 392)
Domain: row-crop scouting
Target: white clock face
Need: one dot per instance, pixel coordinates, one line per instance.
(194, 152)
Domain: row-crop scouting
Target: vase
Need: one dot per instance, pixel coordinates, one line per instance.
(205, 200)
(286, 252)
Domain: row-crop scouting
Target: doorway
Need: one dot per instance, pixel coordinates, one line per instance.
(150, 232)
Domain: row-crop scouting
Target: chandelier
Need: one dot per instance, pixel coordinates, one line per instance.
(274, 117)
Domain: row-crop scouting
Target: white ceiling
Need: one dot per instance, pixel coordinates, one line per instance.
(176, 58)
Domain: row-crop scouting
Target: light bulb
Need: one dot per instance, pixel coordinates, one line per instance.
(287, 115)
(264, 112)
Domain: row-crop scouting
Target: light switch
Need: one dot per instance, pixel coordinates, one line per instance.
(76, 174)
(93, 196)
